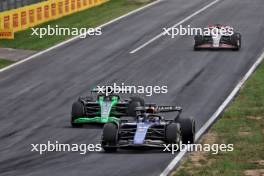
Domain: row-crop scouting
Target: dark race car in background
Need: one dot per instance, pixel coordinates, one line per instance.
(218, 40)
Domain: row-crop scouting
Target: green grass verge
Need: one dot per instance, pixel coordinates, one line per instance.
(4, 63)
(242, 125)
(88, 18)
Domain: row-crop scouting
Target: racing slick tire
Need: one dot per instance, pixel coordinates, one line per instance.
(198, 40)
(135, 102)
(138, 99)
(109, 137)
(132, 108)
(187, 130)
(172, 133)
(77, 111)
(235, 40)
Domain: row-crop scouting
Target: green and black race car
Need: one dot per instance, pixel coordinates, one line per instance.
(103, 109)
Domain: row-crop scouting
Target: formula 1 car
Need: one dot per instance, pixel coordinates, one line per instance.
(148, 129)
(216, 39)
(103, 109)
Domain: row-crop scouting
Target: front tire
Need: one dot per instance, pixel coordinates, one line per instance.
(77, 112)
(110, 137)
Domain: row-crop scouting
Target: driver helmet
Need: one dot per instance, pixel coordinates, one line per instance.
(150, 110)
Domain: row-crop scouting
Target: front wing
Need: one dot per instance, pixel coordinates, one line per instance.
(210, 46)
(82, 120)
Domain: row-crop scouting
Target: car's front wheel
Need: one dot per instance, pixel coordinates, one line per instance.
(77, 112)
(109, 138)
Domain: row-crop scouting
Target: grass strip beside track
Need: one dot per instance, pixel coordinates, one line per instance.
(242, 125)
(5, 62)
(86, 19)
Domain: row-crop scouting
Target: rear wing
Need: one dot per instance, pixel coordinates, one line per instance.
(158, 108)
(168, 109)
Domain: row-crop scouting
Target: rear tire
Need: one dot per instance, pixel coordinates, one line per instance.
(198, 40)
(236, 41)
(187, 130)
(109, 138)
(133, 104)
(77, 112)
(173, 133)
(138, 99)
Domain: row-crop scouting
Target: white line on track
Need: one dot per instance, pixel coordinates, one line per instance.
(177, 159)
(77, 37)
(174, 26)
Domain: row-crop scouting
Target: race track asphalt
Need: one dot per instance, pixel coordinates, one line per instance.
(36, 96)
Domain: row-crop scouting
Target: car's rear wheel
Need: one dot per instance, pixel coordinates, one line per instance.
(187, 130)
(133, 104)
(236, 41)
(172, 133)
(77, 112)
(198, 40)
(110, 137)
(138, 99)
